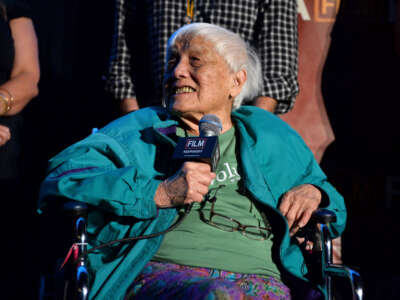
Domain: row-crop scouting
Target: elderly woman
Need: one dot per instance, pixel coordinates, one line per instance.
(236, 241)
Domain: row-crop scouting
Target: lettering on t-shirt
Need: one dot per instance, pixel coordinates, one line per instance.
(228, 174)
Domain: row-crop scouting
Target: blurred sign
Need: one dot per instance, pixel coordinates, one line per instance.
(309, 117)
(320, 10)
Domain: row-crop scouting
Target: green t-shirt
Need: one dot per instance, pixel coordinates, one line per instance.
(196, 243)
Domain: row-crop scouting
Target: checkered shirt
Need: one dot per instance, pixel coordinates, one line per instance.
(270, 26)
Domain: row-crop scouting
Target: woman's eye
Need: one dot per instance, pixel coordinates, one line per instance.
(171, 63)
(195, 60)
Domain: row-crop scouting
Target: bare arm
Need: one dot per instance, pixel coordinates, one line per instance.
(127, 105)
(23, 82)
(266, 103)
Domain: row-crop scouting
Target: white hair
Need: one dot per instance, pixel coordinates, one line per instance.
(236, 52)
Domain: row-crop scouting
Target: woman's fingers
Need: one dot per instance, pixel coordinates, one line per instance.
(198, 177)
(190, 184)
(5, 135)
(298, 204)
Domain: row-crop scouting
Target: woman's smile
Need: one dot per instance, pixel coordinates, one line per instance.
(184, 89)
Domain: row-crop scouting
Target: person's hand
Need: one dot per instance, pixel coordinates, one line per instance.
(266, 103)
(127, 105)
(298, 204)
(5, 135)
(190, 184)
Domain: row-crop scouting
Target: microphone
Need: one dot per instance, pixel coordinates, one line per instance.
(210, 125)
(204, 148)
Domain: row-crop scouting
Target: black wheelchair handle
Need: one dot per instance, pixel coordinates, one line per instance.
(323, 216)
(75, 209)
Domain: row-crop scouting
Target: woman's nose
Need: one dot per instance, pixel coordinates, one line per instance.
(181, 70)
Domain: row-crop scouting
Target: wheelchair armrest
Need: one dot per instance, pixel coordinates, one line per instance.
(75, 209)
(323, 216)
(323, 246)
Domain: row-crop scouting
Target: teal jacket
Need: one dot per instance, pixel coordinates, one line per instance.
(118, 169)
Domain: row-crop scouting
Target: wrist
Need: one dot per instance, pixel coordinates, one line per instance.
(3, 106)
(6, 100)
(128, 105)
(324, 197)
(166, 197)
(266, 103)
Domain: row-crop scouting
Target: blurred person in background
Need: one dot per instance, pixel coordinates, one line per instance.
(19, 77)
(142, 29)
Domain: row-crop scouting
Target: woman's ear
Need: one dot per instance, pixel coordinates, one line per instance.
(239, 79)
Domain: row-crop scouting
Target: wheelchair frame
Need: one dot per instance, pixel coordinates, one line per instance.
(78, 286)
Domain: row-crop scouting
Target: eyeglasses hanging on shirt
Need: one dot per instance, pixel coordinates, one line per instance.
(230, 224)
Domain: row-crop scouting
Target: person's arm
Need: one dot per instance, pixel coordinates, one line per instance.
(128, 104)
(277, 46)
(23, 83)
(266, 103)
(100, 172)
(119, 82)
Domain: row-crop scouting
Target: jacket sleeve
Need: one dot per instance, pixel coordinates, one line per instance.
(305, 170)
(283, 161)
(99, 172)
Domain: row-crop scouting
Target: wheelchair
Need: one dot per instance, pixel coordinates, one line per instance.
(74, 284)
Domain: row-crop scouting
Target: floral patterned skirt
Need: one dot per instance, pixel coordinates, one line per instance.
(172, 281)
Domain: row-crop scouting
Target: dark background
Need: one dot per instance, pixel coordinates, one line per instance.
(360, 83)
(360, 87)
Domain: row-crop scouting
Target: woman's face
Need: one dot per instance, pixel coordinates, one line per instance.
(198, 81)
